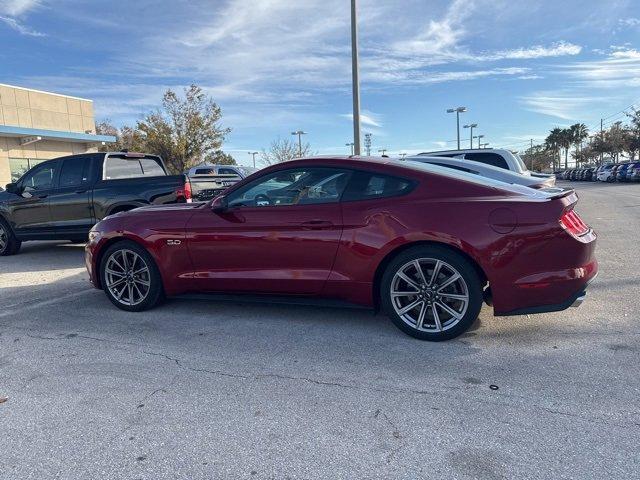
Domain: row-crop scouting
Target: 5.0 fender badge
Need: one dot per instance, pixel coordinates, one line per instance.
(174, 242)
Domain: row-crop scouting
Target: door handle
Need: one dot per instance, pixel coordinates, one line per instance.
(316, 224)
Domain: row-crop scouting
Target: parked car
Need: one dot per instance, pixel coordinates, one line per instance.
(614, 173)
(62, 199)
(633, 172)
(235, 170)
(621, 172)
(588, 174)
(605, 172)
(500, 158)
(489, 171)
(423, 242)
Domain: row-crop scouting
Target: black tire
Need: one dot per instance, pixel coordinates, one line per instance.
(155, 292)
(9, 244)
(429, 297)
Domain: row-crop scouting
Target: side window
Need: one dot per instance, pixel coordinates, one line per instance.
(293, 187)
(151, 168)
(75, 171)
(365, 186)
(40, 178)
(488, 159)
(227, 171)
(204, 171)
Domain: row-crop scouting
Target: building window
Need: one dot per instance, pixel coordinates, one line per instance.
(19, 166)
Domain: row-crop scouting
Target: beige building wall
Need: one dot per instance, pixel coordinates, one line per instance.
(21, 107)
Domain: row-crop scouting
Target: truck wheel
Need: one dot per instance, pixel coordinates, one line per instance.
(431, 293)
(9, 244)
(130, 277)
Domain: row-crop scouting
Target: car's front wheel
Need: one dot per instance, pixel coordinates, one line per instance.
(431, 293)
(130, 277)
(9, 244)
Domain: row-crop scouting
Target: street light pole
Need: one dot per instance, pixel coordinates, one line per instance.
(299, 133)
(253, 154)
(480, 137)
(355, 78)
(471, 126)
(457, 111)
(383, 151)
(350, 145)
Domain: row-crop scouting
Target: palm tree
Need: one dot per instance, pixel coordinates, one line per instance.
(553, 143)
(565, 141)
(579, 132)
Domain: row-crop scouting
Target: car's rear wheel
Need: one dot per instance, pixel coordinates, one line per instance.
(130, 277)
(9, 244)
(431, 293)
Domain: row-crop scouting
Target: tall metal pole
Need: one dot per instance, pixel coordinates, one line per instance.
(254, 158)
(458, 126)
(356, 78)
(299, 144)
(601, 139)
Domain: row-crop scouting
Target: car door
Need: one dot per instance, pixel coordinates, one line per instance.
(30, 208)
(70, 201)
(279, 234)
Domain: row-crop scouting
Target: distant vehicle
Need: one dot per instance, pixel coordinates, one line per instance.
(424, 243)
(588, 174)
(238, 170)
(62, 199)
(605, 172)
(485, 170)
(621, 172)
(614, 173)
(633, 172)
(493, 156)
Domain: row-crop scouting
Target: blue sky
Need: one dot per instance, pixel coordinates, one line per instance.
(276, 66)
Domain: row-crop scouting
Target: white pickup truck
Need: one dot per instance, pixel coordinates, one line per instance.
(498, 158)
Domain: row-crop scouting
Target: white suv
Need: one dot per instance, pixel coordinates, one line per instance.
(496, 157)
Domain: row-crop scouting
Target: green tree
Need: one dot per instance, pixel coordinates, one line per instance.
(127, 138)
(185, 130)
(218, 157)
(553, 142)
(579, 133)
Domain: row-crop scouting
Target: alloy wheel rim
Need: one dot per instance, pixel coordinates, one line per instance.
(127, 277)
(429, 295)
(4, 239)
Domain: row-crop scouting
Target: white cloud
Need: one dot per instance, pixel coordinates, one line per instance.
(620, 69)
(12, 10)
(558, 49)
(367, 118)
(566, 105)
(16, 8)
(20, 28)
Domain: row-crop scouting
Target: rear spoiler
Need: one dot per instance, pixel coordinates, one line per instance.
(558, 192)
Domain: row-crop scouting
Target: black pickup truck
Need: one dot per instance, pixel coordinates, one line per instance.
(62, 199)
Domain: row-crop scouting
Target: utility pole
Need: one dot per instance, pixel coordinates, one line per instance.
(471, 126)
(299, 133)
(383, 151)
(253, 154)
(480, 137)
(355, 78)
(350, 145)
(457, 111)
(601, 142)
(367, 143)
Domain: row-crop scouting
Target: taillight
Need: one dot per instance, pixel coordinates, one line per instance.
(187, 191)
(573, 224)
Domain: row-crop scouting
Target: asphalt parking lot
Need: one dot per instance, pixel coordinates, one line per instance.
(218, 389)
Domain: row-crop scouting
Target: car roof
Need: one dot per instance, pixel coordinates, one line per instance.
(393, 166)
(467, 150)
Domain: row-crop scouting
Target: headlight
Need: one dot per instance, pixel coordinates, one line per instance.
(94, 235)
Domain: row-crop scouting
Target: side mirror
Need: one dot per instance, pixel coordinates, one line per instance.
(220, 204)
(12, 188)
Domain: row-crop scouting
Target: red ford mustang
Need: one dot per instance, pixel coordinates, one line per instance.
(424, 243)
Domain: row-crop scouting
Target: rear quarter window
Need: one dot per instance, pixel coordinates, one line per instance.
(365, 186)
(118, 167)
